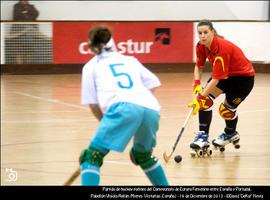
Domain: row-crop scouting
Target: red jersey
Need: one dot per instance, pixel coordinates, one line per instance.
(226, 59)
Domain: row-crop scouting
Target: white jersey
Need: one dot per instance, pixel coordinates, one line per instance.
(112, 78)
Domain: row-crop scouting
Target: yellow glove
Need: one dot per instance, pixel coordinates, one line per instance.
(200, 103)
(197, 90)
(195, 105)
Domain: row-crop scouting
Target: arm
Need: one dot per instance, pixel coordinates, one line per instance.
(18, 13)
(96, 111)
(197, 80)
(88, 90)
(201, 100)
(198, 72)
(32, 12)
(200, 62)
(152, 90)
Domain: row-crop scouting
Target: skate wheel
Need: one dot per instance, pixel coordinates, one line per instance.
(236, 141)
(222, 149)
(237, 146)
(200, 153)
(209, 152)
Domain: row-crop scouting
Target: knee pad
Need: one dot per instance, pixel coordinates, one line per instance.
(144, 160)
(93, 156)
(227, 112)
(208, 103)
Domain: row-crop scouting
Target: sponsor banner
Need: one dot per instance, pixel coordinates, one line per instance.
(150, 42)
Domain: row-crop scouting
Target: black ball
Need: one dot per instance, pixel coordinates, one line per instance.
(178, 158)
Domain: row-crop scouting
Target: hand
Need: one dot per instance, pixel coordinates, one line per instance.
(195, 105)
(197, 89)
(200, 103)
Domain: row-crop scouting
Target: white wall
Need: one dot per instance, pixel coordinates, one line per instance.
(251, 37)
(145, 10)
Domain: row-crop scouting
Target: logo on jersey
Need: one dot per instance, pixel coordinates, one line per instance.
(163, 35)
(221, 60)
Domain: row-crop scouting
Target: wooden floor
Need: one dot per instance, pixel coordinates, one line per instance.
(44, 128)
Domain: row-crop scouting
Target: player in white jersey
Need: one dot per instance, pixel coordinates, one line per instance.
(118, 90)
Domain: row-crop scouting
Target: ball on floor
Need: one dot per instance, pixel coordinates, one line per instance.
(178, 158)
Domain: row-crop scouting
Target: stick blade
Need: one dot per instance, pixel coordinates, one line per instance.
(165, 157)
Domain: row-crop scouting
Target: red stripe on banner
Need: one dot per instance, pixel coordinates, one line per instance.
(150, 42)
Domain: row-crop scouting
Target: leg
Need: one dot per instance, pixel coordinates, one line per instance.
(205, 115)
(205, 118)
(231, 123)
(230, 134)
(144, 142)
(236, 90)
(200, 144)
(115, 130)
(91, 160)
(118, 126)
(150, 165)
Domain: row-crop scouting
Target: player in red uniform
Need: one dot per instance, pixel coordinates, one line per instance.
(232, 74)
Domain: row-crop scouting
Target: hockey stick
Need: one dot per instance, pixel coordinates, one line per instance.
(72, 177)
(167, 157)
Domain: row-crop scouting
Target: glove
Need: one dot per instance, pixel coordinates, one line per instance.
(197, 89)
(200, 103)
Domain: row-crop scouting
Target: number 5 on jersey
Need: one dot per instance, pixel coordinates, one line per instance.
(122, 76)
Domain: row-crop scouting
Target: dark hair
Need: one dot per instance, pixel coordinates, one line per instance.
(98, 36)
(206, 22)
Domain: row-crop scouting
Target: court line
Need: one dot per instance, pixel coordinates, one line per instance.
(83, 108)
(47, 121)
(42, 142)
(41, 111)
(94, 120)
(162, 116)
(166, 116)
(51, 100)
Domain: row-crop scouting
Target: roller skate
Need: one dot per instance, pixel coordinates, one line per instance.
(223, 139)
(200, 145)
